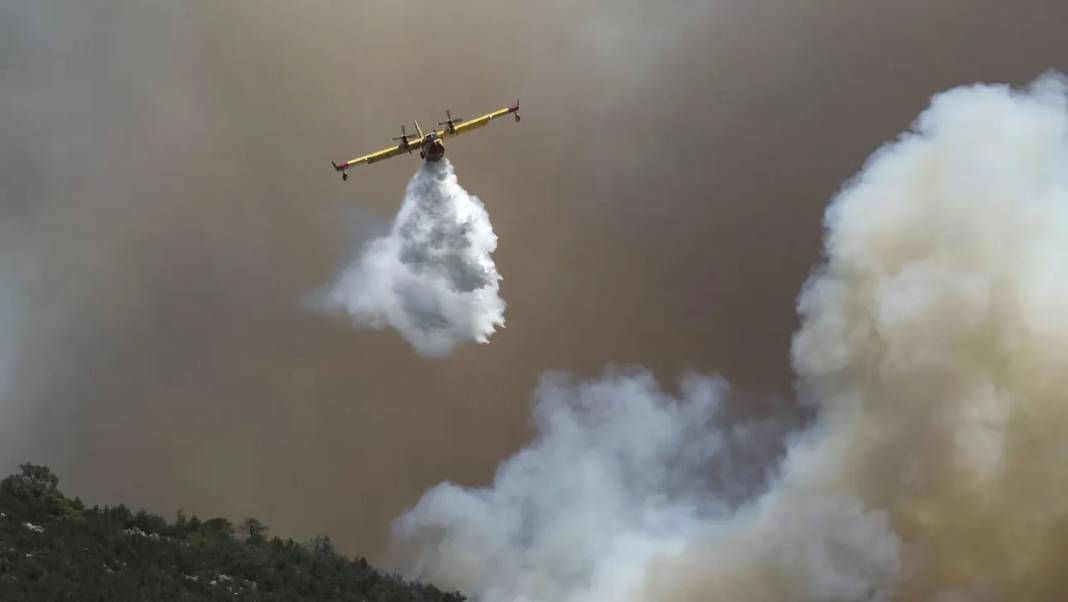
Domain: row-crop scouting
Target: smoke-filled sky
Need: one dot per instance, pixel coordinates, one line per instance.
(167, 206)
(931, 346)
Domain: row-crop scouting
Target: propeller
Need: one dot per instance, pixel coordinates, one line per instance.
(450, 120)
(405, 136)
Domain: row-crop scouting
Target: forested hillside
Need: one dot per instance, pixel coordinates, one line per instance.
(54, 548)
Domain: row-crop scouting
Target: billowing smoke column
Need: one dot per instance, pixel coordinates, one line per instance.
(934, 347)
(619, 473)
(432, 278)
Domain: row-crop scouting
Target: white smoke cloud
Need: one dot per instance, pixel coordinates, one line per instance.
(933, 345)
(432, 278)
(620, 472)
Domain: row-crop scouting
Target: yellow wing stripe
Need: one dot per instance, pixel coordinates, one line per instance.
(474, 124)
(385, 153)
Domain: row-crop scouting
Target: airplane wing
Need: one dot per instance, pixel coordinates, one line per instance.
(454, 129)
(376, 156)
(473, 124)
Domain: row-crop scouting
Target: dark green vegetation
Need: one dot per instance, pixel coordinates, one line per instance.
(54, 548)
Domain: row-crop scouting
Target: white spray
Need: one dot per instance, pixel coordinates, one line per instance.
(934, 345)
(432, 278)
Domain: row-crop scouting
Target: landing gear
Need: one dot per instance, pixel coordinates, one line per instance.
(344, 177)
(517, 117)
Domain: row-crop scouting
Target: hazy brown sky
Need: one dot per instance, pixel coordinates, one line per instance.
(167, 204)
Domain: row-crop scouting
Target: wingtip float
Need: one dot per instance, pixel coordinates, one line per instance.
(431, 145)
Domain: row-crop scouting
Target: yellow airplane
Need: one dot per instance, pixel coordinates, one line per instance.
(431, 146)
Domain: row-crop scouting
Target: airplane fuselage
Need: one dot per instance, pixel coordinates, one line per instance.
(433, 150)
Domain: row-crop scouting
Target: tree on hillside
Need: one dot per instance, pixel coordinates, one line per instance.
(31, 481)
(254, 531)
(54, 548)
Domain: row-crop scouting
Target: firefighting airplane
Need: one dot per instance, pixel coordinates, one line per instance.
(431, 146)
